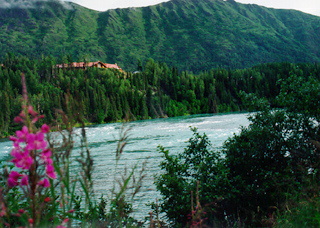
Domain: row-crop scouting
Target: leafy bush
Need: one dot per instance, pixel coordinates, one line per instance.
(268, 162)
(269, 166)
(192, 182)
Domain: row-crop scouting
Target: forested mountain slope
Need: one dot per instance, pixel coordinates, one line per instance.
(190, 34)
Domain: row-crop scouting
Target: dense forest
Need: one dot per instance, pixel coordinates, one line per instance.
(157, 90)
(192, 35)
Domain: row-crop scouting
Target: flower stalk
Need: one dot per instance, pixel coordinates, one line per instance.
(32, 158)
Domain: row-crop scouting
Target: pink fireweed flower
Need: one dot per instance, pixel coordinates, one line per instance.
(18, 119)
(16, 152)
(17, 146)
(30, 149)
(44, 183)
(12, 138)
(46, 153)
(22, 160)
(46, 157)
(45, 128)
(23, 134)
(36, 141)
(13, 178)
(35, 119)
(24, 180)
(31, 111)
(21, 211)
(50, 171)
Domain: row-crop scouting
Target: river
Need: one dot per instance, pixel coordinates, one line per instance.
(141, 150)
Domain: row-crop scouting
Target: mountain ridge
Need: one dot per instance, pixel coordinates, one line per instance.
(192, 35)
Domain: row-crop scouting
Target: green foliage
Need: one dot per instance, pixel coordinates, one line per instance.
(103, 95)
(191, 35)
(274, 159)
(252, 102)
(300, 94)
(196, 171)
(269, 167)
(304, 214)
(268, 162)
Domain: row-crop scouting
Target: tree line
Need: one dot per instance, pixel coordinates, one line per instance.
(155, 90)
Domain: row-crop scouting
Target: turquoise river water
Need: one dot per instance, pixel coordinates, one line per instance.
(141, 150)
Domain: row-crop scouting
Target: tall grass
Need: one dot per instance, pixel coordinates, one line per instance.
(39, 187)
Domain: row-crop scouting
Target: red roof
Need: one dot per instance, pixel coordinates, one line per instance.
(88, 64)
(108, 65)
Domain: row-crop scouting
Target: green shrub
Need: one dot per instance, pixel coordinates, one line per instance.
(192, 180)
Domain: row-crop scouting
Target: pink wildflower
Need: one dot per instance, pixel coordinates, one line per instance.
(21, 211)
(44, 183)
(15, 152)
(13, 178)
(45, 128)
(18, 119)
(12, 138)
(22, 114)
(24, 180)
(23, 134)
(46, 157)
(36, 141)
(31, 111)
(22, 160)
(12, 183)
(50, 171)
(35, 119)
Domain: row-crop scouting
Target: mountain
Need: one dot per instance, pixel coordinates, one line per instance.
(190, 34)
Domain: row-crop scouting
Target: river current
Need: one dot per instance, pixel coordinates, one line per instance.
(141, 150)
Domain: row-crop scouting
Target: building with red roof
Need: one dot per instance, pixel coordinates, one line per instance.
(85, 65)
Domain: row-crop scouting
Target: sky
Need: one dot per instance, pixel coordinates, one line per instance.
(307, 6)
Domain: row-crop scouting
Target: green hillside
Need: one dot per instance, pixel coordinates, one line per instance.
(190, 34)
